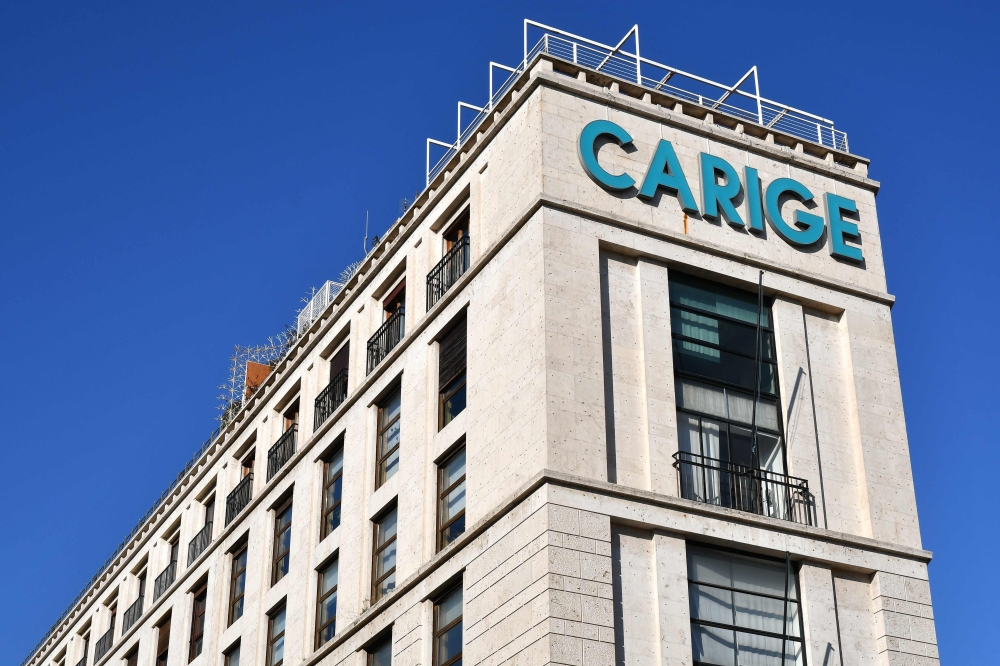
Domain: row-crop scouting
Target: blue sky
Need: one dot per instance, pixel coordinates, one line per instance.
(174, 178)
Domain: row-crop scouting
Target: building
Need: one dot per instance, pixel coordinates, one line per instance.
(620, 387)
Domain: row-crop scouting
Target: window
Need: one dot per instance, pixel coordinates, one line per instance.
(162, 642)
(238, 584)
(340, 361)
(209, 514)
(714, 330)
(232, 656)
(457, 231)
(454, 261)
(451, 373)
(326, 602)
(198, 621)
(282, 541)
(451, 498)
(380, 654)
(246, 467)
(291, 416)
(384, 558)
(395, 301)
(175, 547)
(333, 477)
(86, 650)
(737, 603)
(132, 658)
(388, 439)
(448, 629)
(276, 638)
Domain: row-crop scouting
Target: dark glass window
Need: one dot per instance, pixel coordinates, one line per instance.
(333, 485)
(198, 622)
(451, 372)
(326, 612)
(238, 584)
(132, 658)
(163, 643)
(448, 629)
(384, 556)
(451, 498)
(737, 605)
(457, 231)
(380, 654)
(233, 656)
(276, 638)
(388, 439)
(282, 542)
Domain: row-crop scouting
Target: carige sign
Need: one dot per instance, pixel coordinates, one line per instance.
(720, 187)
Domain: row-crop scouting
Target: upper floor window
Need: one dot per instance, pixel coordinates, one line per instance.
(451, 498)
(737, 605)
(237, 583)
(393, 328)
(448, 629)
(387, 450)
(380, 654)
(198, 621)
(232, 656)
(132, 658)
(276, 638)
(384, 556)
(282, 541)
(454, 262)
(333, 485)
(326, 602)
(163, 642)
(335, 393)
(451, 372)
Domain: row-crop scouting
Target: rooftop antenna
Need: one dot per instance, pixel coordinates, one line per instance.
(365, 248)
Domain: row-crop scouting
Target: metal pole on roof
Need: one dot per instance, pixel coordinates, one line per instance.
(756, 86)
(756, 370)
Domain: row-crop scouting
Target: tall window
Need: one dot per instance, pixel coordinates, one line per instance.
(132, 658)
(210, 513)
(451, 498)
(448, 629)
(380, 654)
(163, 642)
(388, 439)
(233, 656)
(291, 416)
(276, 638)
(333, 485)
(737, 605)
(384, 557)
(175, 547)
(237, 584)
(246, 467)
(282, 541)
(326, 601)
(714, 330)
(451, 373)
(198, 621)
(86, 649)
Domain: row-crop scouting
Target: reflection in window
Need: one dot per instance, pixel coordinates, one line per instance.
(282, 542)
(451, 498)
(333, 486)
(448, 629)
(384, 556)
(388, 439)
(276, 638)
(326, 612)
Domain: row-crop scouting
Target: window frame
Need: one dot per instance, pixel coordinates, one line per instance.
(234, 574)
(444, 492)
(325, 511)
(382, 457)
(455, 384)
(323, 596)
(197, 638)
(378, 646)
(276, 555)
(377, 550)
(227, 656)
(440, 631)
(272, 638)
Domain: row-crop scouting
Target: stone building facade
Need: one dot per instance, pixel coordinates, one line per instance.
(536, 386)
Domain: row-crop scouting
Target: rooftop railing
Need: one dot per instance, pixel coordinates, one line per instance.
(330, 398)
(451, 267)
(282, 451)
(238, 499)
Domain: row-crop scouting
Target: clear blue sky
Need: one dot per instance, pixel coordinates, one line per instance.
(173, 179)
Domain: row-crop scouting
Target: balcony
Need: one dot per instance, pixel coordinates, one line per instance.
(282, 451)
(132, 615)
(385, 339)
(199, 543)
(164, 580)
(237, 500)
(330, 398)
(744, 488)
(104, 644)
(451, 267)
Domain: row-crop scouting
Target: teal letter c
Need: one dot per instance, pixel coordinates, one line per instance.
(812, 225)
(588, 154)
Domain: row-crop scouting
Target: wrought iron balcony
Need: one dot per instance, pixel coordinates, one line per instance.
(451, 267)
(132, 614)
(104, 644)
(330, 398)
(199, 543)
(385, 339)
(744, 488)
(282, 451)
(237, 500)
(164, 580)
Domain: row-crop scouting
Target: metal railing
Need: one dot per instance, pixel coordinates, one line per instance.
(282, 451)
(385, 339)
(104, 644)
(330, 398)
(132, 614)
(238, 499)
(164, 580)
(447, 271)
(199, 543)
(743, 488)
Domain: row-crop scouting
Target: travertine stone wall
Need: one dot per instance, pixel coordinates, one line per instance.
(904, 621)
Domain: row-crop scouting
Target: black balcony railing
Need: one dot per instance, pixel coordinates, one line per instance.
(282, 451)
(330, 398)
(385, 339)
(237, 500)
(744, 488)
(104, 644)
(132, 614)
(164, 580)
(451, 267)
(199, 543)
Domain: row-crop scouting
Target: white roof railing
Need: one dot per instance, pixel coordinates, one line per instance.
(742, 99)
